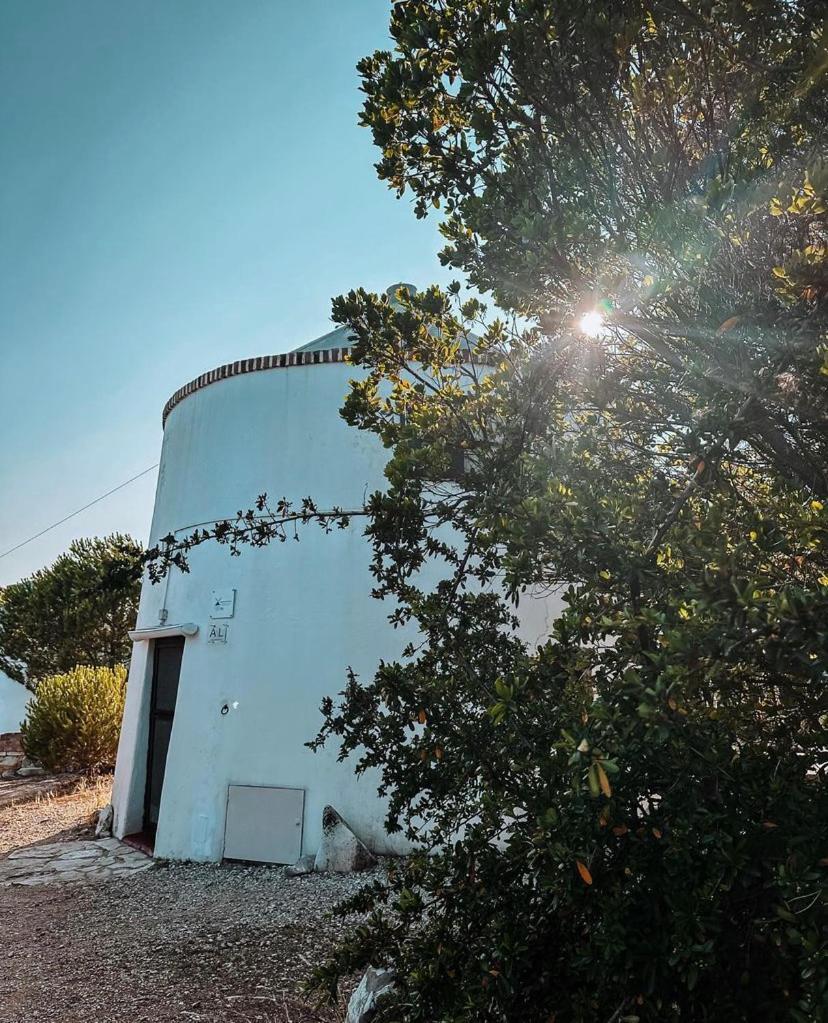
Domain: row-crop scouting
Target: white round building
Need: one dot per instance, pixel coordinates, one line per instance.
(232, 660)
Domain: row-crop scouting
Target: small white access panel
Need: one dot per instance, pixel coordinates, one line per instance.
(264, 824)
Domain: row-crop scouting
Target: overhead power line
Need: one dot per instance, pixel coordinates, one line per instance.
(66, 518)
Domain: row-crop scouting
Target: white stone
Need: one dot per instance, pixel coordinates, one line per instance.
(103, 825)
(86, 852)
(363, 1004)
(135, 861)
(41, 852)
(65, 864)
(17, 868)
(301, 867)
(114, 844)
(340, 851)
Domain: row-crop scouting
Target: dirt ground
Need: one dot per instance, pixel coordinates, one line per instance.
(182, 942)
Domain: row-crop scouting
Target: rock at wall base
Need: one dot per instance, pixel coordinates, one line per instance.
(341, 851)
(301, 867)
(363, 1004)
(103, 825)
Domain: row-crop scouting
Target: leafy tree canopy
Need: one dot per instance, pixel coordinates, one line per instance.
(76, 611)
(627, 822)
(662, 161)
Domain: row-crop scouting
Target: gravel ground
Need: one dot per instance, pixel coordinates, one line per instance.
(183, 942)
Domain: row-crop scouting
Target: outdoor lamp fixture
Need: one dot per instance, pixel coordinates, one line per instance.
(591, 323)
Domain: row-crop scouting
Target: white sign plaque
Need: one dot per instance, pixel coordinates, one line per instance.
(223, 603)
(217, 633)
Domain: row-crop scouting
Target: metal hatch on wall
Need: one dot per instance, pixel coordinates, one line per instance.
(264, 824)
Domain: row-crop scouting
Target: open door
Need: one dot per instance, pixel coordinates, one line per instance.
(165, 673)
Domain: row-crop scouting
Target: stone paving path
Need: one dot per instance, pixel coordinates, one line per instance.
(61, 862)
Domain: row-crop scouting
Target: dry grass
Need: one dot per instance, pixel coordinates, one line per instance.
(54, 816)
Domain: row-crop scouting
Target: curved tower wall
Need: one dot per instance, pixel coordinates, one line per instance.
(303, 611)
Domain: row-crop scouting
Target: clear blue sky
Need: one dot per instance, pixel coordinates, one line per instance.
(183, 184)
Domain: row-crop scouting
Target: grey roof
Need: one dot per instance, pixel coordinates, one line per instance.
(339, 337)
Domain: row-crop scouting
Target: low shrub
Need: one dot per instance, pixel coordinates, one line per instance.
(74, 719)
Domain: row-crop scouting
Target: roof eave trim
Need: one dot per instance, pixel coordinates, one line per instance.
(255, 365)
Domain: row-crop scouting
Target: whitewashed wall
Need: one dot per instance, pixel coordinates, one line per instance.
(303, 611)
(13, 700)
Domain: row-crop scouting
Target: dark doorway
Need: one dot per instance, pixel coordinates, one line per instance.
(166, 669)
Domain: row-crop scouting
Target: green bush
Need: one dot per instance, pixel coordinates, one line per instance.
(74, 720)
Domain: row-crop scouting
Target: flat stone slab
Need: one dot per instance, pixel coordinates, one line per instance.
(62, 862)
